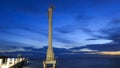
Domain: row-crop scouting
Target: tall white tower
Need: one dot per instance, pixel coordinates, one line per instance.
(50, 59)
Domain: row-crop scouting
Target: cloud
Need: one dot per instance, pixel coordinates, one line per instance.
(112, 53)
(77, 22)
(13, 44)
(111, 31)
(41, 31)
(100, 47)
(20, 36)
(92, 39)
(66, 29)
(84, 50)
(72, 28)
(86, 30)
(30, 33)
(65, 41)
(98, 51)
(13, 50)
(69, 53)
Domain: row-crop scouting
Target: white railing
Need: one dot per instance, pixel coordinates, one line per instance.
(10, 62)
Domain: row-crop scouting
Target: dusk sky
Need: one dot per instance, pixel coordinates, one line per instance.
(76, 23)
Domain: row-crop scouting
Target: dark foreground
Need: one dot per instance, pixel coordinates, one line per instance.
(80, 63)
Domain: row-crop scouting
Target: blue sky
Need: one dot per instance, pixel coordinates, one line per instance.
(76, 23)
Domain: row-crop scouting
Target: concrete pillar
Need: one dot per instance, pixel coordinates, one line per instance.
(53, 65)
(16, 60)
(8, 62)
(0, 62)
(13, 61)
(44, 65)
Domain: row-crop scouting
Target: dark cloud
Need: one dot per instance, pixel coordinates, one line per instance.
(40, 31)
(115, 21)
(100, 36)
(14, 44)
(111, 31)
(86, 30)
(63, 40)
(66, 29)
(100, 47)
(73, 28)
(81, 23)
(92, 39)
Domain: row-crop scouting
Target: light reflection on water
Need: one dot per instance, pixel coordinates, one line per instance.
(81, 63)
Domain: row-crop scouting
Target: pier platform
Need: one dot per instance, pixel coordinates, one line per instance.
(12, 62)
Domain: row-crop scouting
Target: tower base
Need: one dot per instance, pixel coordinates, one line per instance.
(49, 64)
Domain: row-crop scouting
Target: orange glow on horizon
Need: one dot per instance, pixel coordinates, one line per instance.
(110, 53)
(113, 53)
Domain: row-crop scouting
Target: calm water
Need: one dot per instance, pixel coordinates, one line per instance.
(80, 63)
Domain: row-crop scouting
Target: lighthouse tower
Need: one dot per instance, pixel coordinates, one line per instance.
(50, 59)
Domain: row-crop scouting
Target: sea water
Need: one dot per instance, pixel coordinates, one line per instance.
(80, 63)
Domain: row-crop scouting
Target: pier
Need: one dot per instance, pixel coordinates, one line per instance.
(12, 62)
